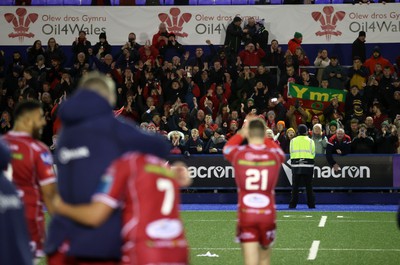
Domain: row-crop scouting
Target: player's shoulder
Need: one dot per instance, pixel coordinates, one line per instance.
(141, 159)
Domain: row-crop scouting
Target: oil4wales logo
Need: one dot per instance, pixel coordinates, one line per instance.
(328, 21)
(175, 21)
(21, 21)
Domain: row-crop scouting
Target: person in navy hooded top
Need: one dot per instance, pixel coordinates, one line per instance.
(90, 139)
(14, 239)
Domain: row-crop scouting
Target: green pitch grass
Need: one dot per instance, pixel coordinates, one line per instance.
(345, 238)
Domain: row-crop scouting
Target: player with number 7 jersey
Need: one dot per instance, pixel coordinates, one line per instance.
(257, 166)
(147, 189)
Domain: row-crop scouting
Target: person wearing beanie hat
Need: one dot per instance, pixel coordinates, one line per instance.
(302, 154)
(358, 47)
(285, 139)
(320, 140)
(102, 47)
(295, 42)
(14, 233)
(377, 58)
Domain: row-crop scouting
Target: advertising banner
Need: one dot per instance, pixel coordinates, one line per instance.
(193, 25)
(356, 171)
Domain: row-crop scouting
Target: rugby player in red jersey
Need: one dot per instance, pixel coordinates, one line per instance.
(32, 169)
(148, 191)
(257, 165)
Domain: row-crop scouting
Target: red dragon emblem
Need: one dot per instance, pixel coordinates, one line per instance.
(174, 22)
(328, 21)
(20, 23)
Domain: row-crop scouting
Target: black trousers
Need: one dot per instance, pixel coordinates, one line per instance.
(295, 189)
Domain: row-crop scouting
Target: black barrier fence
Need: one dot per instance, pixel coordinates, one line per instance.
(357, 171)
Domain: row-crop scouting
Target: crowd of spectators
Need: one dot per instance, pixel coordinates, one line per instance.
(198, 101)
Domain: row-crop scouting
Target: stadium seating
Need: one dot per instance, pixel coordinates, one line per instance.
(276, 2)
(243, 2)
(8, 2)
(337, 1)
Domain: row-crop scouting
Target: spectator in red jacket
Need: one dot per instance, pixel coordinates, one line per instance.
(160, 39)
(252, 56)
(339, 144)
(375, 59)
(295, 42)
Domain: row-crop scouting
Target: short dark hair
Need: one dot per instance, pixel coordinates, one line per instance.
(26, 106)
(257, 128)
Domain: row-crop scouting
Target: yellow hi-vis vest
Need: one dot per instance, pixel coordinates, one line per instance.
(302, 147)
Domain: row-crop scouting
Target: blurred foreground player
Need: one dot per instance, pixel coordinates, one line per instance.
(32, 169)
(148, 191)
(257, 167)
(14, 239)
(90, 139)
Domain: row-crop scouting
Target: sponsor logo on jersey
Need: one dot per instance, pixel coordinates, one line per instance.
(47, 158)
(65, 155)
(256, 200)
(159, 170)
(256, 164)
(9, 202)
(252, 156)
(211, 172)
(17, 156)
(165, 228)
(105, 183)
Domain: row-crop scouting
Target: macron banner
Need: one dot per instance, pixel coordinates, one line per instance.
(315, 98)
(319, 24)
(356, 171)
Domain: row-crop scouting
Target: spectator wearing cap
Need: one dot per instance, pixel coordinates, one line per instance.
(234, 35)
(102, 47)
(285, 141)
(358, 47)
(387, 140)
(270, 121)
(34, 51)
(295, 42)
(377, 58)
(338, 144)
(53, 50)
(302, 154)
(320, 140)
(314, 120)
(335, 74)
(232, 130)
(358, 74)
(353, 98)
(280, 130)
(216, 142)
(362, 143)
(321, 61)
(194, 145)
(332, 128)
(252, 55)
(172, 48)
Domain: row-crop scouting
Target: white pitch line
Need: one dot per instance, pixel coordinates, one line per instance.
(320, 249)
(339, 216)
(322, 221)
(312, 255)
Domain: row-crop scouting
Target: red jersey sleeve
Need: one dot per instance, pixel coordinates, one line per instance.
(113, 183)
(44, 165)
(231, 147)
